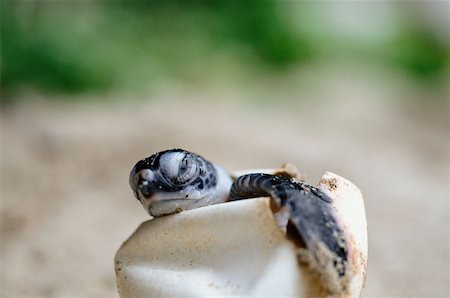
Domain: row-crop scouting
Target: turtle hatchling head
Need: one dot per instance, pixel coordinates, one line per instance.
(174, 180)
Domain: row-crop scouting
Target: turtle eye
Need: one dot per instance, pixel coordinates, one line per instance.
(187, 170)
(179, 168)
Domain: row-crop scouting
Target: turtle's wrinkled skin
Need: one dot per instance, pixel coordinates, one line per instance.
(175, 180)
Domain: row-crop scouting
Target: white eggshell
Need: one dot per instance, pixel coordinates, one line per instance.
(233, 249)
(349, 203)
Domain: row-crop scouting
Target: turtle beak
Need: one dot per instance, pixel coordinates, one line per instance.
(142, 183)
(147, 189)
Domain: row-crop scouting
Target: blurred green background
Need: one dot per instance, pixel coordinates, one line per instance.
(86, 46)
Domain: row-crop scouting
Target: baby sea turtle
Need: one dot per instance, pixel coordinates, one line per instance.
(175, 180)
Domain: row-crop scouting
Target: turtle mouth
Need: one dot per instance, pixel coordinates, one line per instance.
(168, 197)
(166, 206)
(162, 203)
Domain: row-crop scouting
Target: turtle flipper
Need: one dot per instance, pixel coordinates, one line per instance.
(310, 212)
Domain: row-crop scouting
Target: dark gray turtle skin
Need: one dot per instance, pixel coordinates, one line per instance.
(175, 180)
(310, 212)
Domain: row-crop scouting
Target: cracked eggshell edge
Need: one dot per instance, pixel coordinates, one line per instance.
(349, 204)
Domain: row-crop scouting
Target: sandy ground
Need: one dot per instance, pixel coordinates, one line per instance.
(66, 204)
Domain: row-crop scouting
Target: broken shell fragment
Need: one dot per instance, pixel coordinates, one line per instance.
(238, 249)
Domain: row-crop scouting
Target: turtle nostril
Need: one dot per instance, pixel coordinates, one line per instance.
(146, 174)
